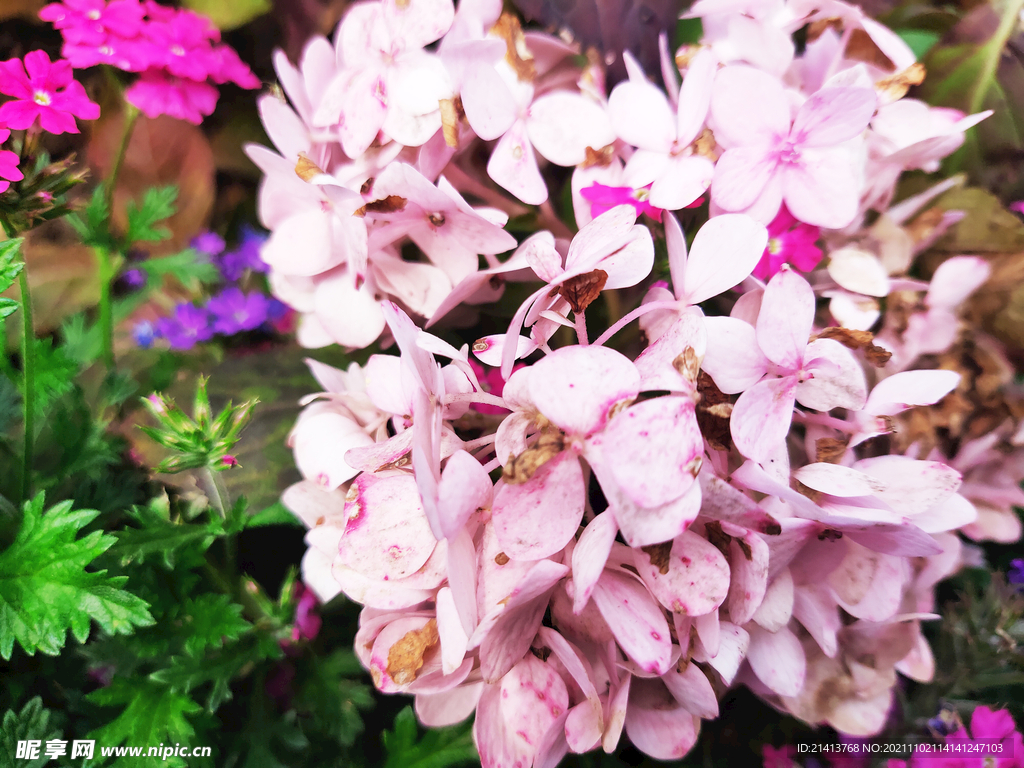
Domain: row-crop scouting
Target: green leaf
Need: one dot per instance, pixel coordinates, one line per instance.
(93, 224)
(33, 722)
(143, 221)
(45, 589)
(437, 749)
(55, 374)
(212, 619)
(188, 267)
(919, 40)
(10, 265)
(152, 714)
(162, 537)
(332, 698)
(275, 514)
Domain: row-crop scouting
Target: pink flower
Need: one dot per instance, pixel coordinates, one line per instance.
(184, 42)
(789, 242)
(490, 382)
(8, 164)
(47, 93)
(664, 131)
(807, 161)
(990, 726)
(603, 198)
(91, 22)
(158, 93)
(1018, 207)
(778, 758)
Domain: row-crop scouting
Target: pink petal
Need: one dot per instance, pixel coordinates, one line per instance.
(816, 609)
(904, 540)
(837, 480)
(748, 106)
(741, 176)
(876, 579)
(576, 387)
(656, 364)
(464, 488)
(834, 115)
(657, 725)
(513, 166)
(724, 253)
(462, 579)
(837, 378)
(640, 115)
(604, 235)
(538, 518)
(563, 124)
(636, 620)
(451, 632)
(320, 440)
(786, 319)
(777, 607)
(725, 503)
(749, 569)
(909, 388)
(777, 659)
(284, 127)
(762, 416)
(912, 486)
(631, 263)
(386, 534)
(733, 358)
(682, 181)
(693, 691)
(823, 188)
(955, 280)
(590, 555)
(734, 643)
(695, 95)
(709, 632)
(437, 710)
(351, 316)
(658, 448)
(697, 580)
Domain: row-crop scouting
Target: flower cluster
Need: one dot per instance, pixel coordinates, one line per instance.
(178, 53)
(765, 493)
(230, 311)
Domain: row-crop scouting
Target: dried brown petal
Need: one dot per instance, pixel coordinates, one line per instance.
(405, 658)
(687, 364)
(660, 555)
(895, 86)
(388, 204)
(519, 469)
(451, 114)
(817, 28)
(582, 290)
(876, 355)
(601, 157)
(367, 186)
(719, 538)
(501, 558)
(862, 48)
(306, 169)
(713, 412)
(517, 54)
(830, 449)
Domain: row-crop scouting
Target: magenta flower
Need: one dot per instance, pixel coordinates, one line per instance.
(158, 93)
(789, 242)
(47, 93)
(807, 161)
(8, 164)
(91, 22)
(603, 198)
(989, 727)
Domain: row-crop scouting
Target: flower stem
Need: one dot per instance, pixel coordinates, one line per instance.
(103, 255)
(581, 328)
(643, 309)
(474, 397)
(28, 367)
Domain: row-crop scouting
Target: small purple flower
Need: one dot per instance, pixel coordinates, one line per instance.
(189, 325)
(246, 256)
(134, 278)
(209, 243)
(144, 334)
(1016, 572)
(235, 311)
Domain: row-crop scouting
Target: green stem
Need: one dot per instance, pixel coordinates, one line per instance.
(105, 257)
(28, 366)
(994, 52)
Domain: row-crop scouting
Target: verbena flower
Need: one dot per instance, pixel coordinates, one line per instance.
(45, 93)
(9, 170)
(188, 325)
(233, 311)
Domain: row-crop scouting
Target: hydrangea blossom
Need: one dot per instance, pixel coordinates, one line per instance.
(548, 536)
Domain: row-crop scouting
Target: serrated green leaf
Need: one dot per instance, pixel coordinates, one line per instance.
(31, 723)
(437, 748)
(188, 267)
(93, 222)
(334, 694)
(152, 714)
(162, 537)
(143, 220)
(10, 265)
(212, 619)
(45, 589)
(8, 307)
(55, 374)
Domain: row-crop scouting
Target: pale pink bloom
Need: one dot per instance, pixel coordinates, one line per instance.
(612, 243)
(641, 115)
(896, 394)
(758, 32)
(822, 374)
(386, 80)
(448, 230)
(809, 161)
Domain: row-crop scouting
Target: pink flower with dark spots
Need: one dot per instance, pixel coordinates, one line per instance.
(603, 198)
(789, 242)
(44, 92)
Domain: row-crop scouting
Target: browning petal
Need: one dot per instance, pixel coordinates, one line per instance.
(830, 449)
(660, 555)
(451, 114)
(521, 468)
(306, 169)
(388, 204)
(582, 290)
(406, 656)
(517, 54)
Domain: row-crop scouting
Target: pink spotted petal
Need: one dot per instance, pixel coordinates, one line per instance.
(837, 379)
(636, 620)
(697, 581)
(590, 555)
(761, 417)
(657, 724)
(464, 488)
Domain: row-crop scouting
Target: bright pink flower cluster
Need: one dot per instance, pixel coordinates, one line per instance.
(177, 52)
(665, 524)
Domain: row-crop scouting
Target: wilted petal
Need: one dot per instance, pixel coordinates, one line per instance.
(911, 486)
(733, 648)
(909, 388)
(837, 379)
(816, 609)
